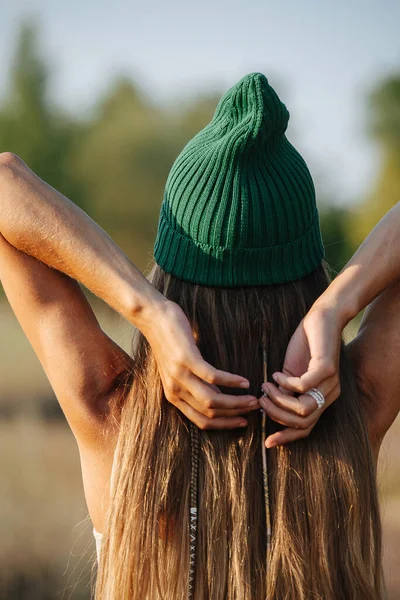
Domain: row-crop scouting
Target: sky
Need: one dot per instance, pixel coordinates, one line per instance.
(322, 58)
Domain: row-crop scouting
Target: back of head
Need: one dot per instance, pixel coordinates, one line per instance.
(239, 204)
(239, 249)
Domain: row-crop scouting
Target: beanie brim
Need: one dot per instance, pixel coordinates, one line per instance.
(203, 264)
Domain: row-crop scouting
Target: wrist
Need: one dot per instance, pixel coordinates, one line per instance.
(145, 308)
(341, 298)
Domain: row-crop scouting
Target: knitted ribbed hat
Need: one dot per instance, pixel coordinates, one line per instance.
(239, 203)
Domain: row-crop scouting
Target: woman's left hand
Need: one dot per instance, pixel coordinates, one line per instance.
(190, 383)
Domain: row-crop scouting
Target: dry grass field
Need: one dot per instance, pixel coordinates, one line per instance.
(47, 551)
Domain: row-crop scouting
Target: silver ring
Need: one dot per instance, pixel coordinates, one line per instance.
(318, 397)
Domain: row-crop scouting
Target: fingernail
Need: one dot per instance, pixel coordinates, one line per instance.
(253, 402)
(264, 388)
(244, 384)
(276, 377)
(242, 423)
(271, 444)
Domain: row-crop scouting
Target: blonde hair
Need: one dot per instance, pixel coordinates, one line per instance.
(326, 529)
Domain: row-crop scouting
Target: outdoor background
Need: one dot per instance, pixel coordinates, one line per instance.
(99, 98)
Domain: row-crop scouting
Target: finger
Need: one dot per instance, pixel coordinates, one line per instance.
(286, 436)
(212, 412)
(205, 423)
(208, 373)
(302, 406)
(208, 397)
(330, 394)
(299, 423)
(311, 379)
(284, 417)
(288, 402)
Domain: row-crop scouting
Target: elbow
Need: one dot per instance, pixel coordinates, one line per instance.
(9, 160)
(10, 164)
(12, 168)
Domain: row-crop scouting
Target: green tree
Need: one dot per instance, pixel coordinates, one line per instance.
(122, 162)
(191, 116)
(384, 127)
(124, 159)
(338, 248)
(30, 125)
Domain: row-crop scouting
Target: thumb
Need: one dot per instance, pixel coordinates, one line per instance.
(312, 378)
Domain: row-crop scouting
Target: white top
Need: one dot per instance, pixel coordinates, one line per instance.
(98, 538)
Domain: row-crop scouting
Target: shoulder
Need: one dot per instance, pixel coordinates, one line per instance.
(374, 355)
(369, 394)
(98, 459)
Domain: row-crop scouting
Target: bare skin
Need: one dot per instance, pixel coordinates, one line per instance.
(46, 245)
(370, 279)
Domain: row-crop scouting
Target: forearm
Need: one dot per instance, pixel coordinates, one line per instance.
(373, 268)
(41, 222)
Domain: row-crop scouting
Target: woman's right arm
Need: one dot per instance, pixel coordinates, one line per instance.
(375, 356)
(312, 359)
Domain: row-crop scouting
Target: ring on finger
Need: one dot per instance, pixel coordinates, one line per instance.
(318, 397)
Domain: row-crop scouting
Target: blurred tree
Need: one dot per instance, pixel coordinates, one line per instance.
(384, 104)
(384, 127)
(338, 248)
(30, 126)
(192, 116)
(124, 159)
(115, 164)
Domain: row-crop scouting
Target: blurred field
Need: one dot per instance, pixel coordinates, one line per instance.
(47, 551)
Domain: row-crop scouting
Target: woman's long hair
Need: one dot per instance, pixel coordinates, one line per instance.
(326, 530)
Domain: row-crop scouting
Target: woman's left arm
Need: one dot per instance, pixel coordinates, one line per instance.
(41, 223)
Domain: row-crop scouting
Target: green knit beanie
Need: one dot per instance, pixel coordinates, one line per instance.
(239, 205)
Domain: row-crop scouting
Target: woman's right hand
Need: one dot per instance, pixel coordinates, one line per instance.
(189, 382)
(311, 361)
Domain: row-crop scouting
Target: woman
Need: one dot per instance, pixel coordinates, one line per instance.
(239, 271)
